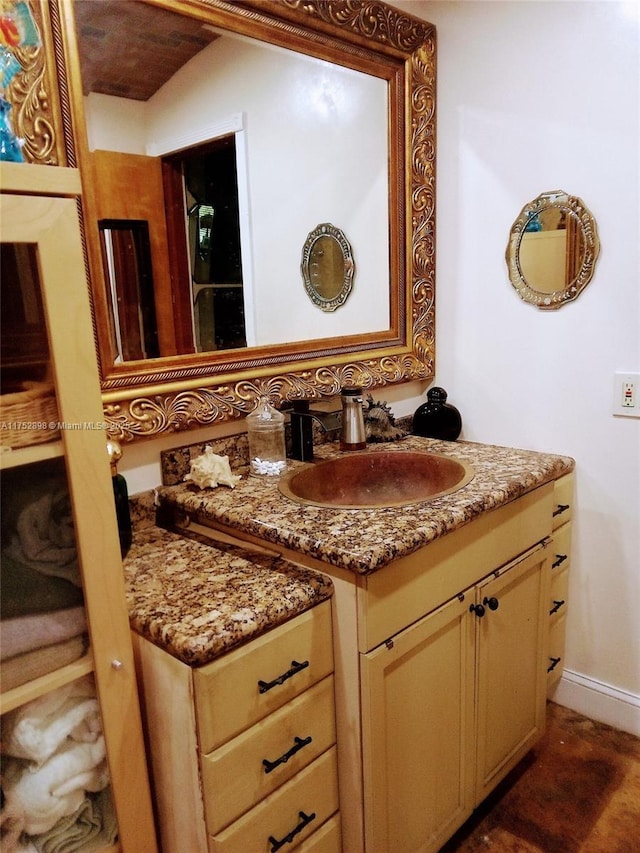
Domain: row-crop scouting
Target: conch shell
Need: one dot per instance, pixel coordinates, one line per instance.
(210, 470)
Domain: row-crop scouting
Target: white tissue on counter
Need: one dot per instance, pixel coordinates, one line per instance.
(210, 470)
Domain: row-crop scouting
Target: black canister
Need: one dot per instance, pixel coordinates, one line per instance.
(121, 498)
(436, 418)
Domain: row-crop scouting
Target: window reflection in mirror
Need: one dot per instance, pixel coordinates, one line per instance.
(207, 177)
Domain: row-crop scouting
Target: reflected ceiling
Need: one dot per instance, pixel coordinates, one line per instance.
(119, 37)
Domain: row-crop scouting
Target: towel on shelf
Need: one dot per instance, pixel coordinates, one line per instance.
(36, 730)
(26, 633)
(25, 590)
(26, 667)
(56, 788)
(93, 827)
(44, 537)
(11, 822)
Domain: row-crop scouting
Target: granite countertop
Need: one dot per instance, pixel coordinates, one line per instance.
(198, 599)
(365, 540)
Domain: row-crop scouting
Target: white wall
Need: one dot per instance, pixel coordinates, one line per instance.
(536, 96)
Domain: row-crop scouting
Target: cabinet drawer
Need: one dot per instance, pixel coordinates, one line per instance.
(562, 500)
(559, 594)
(293, 812)
(234, 777)
(327, 839)
(561, 549)
(555, 663)
(244, 686)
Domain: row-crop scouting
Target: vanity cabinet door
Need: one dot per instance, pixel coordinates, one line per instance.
(417, 716)
(511, 642)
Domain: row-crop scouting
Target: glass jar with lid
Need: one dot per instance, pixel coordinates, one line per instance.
(265, 431)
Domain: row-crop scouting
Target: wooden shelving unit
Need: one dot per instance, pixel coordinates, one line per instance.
(38, 206)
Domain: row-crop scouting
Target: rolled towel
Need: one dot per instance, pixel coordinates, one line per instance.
(56, 788)
(36, 730)
(45, 538)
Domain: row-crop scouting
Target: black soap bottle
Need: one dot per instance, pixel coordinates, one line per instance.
(121, 498)
(436, 418)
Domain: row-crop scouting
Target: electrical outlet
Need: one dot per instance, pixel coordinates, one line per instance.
(626, 394)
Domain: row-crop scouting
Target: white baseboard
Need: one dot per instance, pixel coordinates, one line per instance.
(599, 701)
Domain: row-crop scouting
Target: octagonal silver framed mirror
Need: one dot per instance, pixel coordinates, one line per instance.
(552, 250)
(327, 267)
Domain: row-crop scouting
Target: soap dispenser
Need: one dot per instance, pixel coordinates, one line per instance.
(121, 497)
(353, 436)
(265, 431)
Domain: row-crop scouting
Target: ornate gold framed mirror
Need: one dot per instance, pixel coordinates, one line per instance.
(187, 388)
(552, 250)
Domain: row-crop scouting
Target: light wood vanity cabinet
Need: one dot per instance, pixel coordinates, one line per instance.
(435, 704)
(261, 721)
(453, 701)
(559, 595)
(441, 677)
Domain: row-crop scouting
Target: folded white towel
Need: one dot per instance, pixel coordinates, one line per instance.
(36, 730)
(56, 788)
(45, 538)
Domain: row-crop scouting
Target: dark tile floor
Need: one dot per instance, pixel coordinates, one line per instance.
(578, 791)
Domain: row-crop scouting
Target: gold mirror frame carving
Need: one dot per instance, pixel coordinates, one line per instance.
(574, 209)
(145, 399)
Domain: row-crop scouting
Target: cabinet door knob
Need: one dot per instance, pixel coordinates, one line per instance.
(492, 603)
(478, 609)
(116, 664)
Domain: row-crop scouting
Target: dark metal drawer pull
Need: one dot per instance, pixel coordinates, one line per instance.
(560, 509)
(559, 561)
(556, 606)
(263, 686)
(305, 820)
(298, 744)
(554, 664)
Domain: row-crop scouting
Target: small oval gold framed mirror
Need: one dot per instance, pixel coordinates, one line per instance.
(327, 267)
(552, 251)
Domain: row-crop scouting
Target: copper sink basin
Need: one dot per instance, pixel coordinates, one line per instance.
(376, 479)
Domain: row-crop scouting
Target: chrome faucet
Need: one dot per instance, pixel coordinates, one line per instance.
(302, 417)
